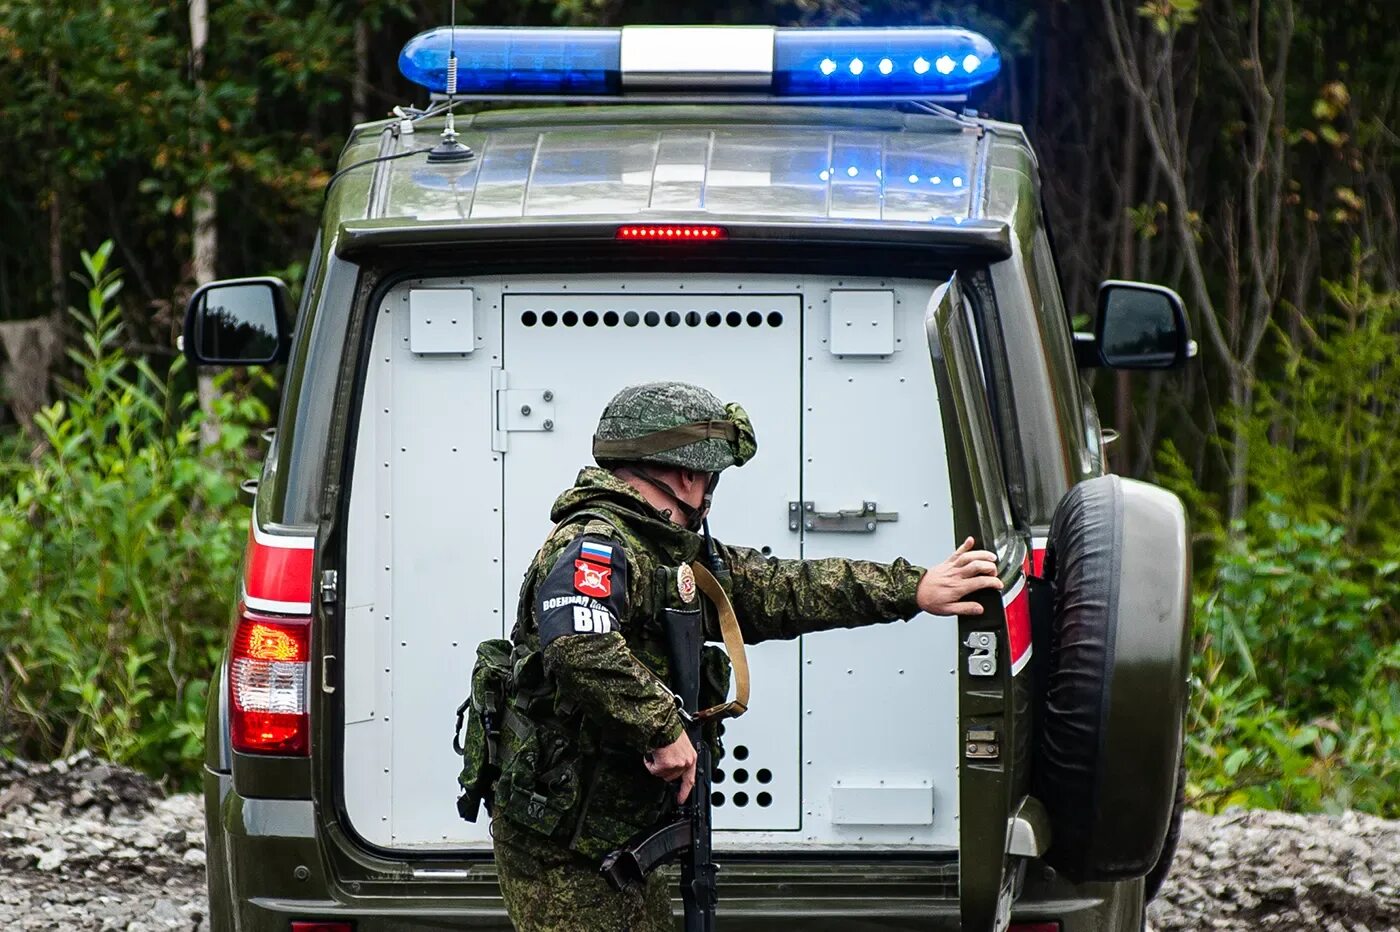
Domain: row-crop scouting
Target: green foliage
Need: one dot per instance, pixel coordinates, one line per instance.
(1324, 434)
(1297, 699)
(119, 545)
(1297, 663)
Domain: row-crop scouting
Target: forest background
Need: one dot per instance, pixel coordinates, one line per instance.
(1242, 152)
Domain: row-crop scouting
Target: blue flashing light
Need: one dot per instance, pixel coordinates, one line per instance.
(916, 61)
(517, 61)
(888, 62)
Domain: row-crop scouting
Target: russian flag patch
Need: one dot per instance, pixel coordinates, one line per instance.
(596, 553)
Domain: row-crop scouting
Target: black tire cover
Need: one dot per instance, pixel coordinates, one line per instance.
(1114, 678)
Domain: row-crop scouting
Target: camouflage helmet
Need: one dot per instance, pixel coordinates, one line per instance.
(676, 424)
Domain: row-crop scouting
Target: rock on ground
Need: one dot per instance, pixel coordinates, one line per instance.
(1258, 870)
(89, 845)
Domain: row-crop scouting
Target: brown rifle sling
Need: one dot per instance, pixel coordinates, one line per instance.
(733, 644)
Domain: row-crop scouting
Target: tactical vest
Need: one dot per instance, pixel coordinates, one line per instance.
(533, 758)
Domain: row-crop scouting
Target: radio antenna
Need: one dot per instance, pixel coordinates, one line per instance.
(449, 149)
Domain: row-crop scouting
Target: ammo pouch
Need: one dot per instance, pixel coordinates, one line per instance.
(539, 785)
(484, 711)
(558, 778)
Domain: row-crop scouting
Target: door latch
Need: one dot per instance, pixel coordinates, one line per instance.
(330, 583)
(862, 520)
(983, 660)
(327, 686)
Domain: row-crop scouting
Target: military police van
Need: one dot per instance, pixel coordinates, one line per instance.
(808, 222)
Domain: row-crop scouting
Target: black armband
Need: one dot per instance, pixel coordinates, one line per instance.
(585, 592)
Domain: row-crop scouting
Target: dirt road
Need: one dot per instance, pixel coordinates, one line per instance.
(85, 845)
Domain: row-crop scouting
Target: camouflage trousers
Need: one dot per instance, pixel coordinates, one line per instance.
(548, 888)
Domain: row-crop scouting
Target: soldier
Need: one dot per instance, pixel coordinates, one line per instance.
(591, 736)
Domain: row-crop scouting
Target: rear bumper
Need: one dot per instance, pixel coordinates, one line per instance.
(267, 869)
(735, 915)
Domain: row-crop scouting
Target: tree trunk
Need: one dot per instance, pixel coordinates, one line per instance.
(359, 90)
(57, 291)
(205, 248)
(30, 349)
(1242, 401)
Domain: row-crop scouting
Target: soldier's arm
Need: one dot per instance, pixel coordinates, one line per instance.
(581, 607)
(779, 599)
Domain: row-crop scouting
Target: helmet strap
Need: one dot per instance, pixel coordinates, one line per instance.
(694, 517)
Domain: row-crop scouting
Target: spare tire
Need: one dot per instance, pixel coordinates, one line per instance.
(1152, 884)
(1114, 694)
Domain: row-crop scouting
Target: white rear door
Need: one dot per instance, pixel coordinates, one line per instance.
(465, 439)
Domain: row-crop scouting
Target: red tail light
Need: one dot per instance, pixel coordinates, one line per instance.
(670, 232)
(1034, 927)
(300, 926)
(268, 676)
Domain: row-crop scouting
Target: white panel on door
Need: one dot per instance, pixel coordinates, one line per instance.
(433, 484)
(879, 703)
(361, 620)
(862, 323)
(441, 320)
(583, 348)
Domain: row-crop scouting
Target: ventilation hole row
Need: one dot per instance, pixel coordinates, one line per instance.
(741, 775)
(651, 319)
(741, 799)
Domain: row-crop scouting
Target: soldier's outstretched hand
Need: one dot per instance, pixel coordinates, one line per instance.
(945, 587)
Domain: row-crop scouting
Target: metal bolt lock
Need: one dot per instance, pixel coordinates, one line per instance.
(525, 410)
(548, 424)
(302, 872)
(548, 395)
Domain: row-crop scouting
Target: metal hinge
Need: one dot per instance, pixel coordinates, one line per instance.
(518, 409)
(982, 744)
(862, 520)
(983, 660)
(330, 581)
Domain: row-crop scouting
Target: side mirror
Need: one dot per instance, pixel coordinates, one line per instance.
(237, 322)
(1141, 326)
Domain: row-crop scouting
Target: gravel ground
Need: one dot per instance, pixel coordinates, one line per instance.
(87, 845)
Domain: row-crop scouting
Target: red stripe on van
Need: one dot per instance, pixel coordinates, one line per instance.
(1018, 627)
(277, 572)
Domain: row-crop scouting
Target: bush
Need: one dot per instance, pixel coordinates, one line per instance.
(1297, 699)
(120, 543)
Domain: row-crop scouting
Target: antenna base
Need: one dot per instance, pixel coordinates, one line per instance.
(449, 151)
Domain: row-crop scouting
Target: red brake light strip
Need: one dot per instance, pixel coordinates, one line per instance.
(670, 232)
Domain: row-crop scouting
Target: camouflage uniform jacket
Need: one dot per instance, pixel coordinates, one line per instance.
(594, 597)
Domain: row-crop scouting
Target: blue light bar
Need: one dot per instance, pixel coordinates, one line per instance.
(897, 62)
(936, 61)
(517, 61)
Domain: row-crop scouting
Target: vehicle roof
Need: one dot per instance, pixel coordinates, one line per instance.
(677, 163)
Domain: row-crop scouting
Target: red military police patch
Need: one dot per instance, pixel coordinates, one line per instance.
(592, 579)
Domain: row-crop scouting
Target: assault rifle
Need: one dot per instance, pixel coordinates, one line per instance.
(687, 837)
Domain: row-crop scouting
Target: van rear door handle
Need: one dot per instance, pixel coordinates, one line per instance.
(862, 520)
